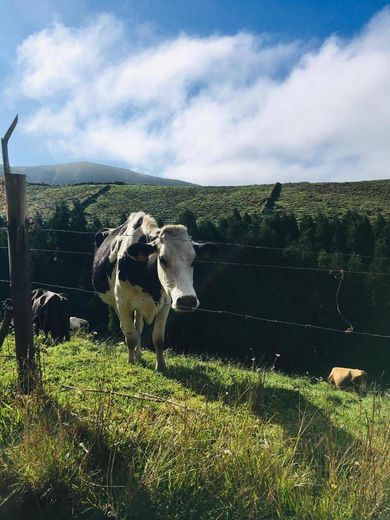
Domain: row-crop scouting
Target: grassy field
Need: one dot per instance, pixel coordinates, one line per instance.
(220, 443)
(368, 197)
(167, 202)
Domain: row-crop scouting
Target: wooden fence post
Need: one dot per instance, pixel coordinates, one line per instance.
(18, 254)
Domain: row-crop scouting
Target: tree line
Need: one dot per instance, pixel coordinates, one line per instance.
(271, 290)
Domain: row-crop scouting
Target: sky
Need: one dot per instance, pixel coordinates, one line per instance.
(220, 92)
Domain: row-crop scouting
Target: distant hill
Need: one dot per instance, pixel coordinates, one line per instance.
(86, 172)
(111, 202)
(335, 198)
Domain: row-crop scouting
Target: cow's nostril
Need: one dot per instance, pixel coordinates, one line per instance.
(186, 303)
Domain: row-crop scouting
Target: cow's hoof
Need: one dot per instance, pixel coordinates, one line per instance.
(161, 367)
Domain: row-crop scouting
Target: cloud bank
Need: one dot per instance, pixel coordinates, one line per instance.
(216, 110)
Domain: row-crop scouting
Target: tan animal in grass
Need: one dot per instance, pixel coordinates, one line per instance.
(340, 377)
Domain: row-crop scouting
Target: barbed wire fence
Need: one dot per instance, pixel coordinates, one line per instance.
(337, 273)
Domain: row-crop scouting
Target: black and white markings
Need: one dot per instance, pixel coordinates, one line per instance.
(141, 270)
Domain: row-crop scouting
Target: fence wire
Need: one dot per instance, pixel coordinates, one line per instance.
(289, 249)
(226, 263)
(224, 312)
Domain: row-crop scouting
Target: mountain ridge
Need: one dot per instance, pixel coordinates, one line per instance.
(89, 172)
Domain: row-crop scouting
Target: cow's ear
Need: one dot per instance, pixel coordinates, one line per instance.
(205, 251)
(141, 251)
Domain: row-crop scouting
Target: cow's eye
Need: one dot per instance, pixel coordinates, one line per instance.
(163, 261)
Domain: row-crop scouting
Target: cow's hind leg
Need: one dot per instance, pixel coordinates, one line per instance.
(158, 337)
(129, 331)
(139, 326)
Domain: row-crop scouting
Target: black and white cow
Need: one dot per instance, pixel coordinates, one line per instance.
(50, 312)
(142, 270)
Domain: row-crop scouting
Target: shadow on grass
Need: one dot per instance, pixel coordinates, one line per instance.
(115, 491)
(286, 407)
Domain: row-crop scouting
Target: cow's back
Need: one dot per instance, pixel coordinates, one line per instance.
(343, 377)
(104, 260)
(50, 312)
(339, 376)
(112, 254)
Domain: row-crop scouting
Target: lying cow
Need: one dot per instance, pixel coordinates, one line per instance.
(340, 377)
(142, 270)
(76, 324)
(50, 314)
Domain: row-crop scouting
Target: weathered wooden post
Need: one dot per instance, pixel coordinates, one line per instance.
(18, 254)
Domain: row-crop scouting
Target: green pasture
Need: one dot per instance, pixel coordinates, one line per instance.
(206, 440)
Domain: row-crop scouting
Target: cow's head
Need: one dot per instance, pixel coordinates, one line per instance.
(176, 255)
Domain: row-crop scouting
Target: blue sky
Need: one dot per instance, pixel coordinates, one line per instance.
(215, 92)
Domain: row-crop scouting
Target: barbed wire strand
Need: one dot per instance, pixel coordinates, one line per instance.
(289, 249)
(340, 277)
(308, 326)
(236, 264)
(294, 268)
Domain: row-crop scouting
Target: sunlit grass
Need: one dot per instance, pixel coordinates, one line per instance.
(213, 202)
(223, 442)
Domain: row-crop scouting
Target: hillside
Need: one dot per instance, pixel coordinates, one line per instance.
(331, 198)
(71, 173)
(112, 202)
(207, 440)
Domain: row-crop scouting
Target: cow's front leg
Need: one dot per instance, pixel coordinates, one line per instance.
(139, 326)
(158, 337)
(129, 331)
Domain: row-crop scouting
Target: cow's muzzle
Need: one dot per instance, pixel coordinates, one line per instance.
(186, 304)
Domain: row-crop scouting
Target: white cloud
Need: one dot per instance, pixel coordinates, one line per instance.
(221, 110)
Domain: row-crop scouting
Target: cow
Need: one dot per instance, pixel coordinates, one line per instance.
(76, 324)
(340, 377)
(50, 314)
(143, 270)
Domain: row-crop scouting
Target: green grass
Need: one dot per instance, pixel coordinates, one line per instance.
(167, 202)
(212, 202)
(367, 197)
(223, 443)
(43, 199)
